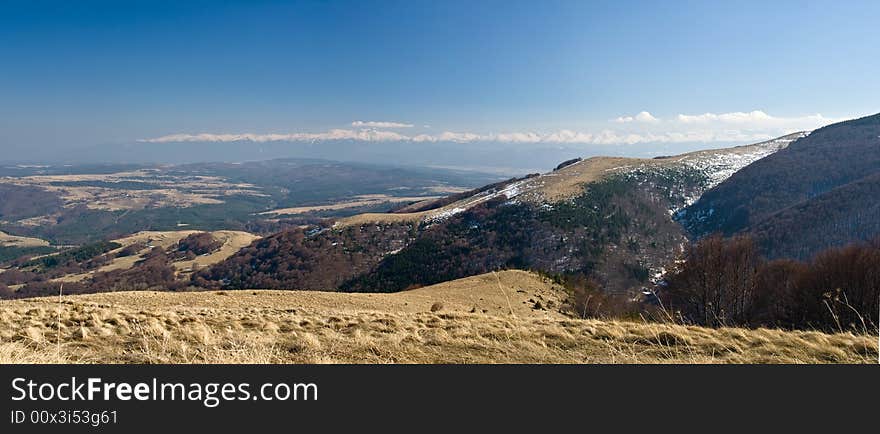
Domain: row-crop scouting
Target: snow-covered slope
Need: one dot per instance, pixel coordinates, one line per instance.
(721, 164)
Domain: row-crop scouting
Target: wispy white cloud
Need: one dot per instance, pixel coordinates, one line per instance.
(643, 116)
(755, 120)
(367, 135)
(380, 124)
(449, 136)
(756, 116)
(743, 127)
(604, 137)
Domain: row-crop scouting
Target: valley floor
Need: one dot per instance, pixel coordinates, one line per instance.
(505, 317)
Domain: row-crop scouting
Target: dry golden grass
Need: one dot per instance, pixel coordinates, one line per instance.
(309, 327)
(357, 201)
(7, 240)
(378, 217)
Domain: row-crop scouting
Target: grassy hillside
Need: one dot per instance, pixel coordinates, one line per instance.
(484, 319)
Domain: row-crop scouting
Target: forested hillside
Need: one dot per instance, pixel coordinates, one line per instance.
(846, 214)
(818, 192)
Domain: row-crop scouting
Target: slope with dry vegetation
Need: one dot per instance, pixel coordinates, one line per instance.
(507, 317)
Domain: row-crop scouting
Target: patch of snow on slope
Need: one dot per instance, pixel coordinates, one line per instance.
(717, 167)
(512, 190)
(508, 192)
(445, 214)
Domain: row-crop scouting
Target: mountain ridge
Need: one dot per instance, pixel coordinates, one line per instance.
(798, 180)
(608, 217)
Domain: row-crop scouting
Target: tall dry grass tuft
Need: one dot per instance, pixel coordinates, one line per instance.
(28, 353)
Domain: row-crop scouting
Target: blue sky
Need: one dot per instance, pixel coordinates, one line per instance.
(76, 74)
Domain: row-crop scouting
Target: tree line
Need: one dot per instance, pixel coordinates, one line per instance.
(726, 282)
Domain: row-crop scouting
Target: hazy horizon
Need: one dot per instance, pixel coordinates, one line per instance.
(495, 158)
